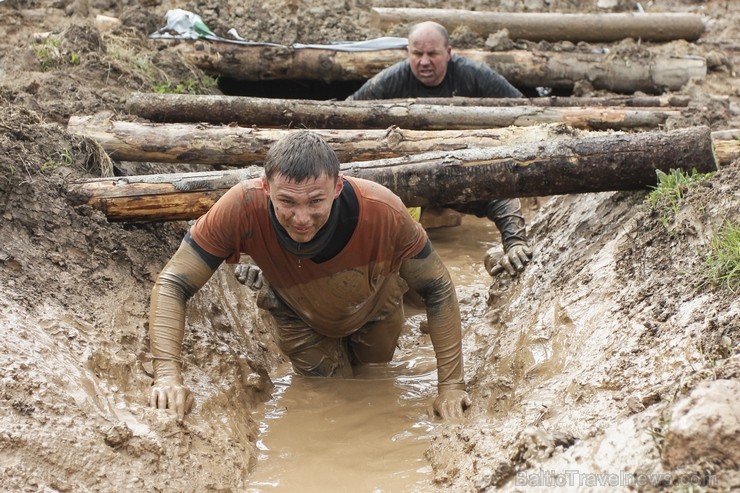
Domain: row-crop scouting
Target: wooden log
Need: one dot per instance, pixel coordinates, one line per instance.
(726, 151)
(379, 114)
(276, 62)
(242, 146)
(522, 68)
(617, 161)
(726, 145)
(545, 26)
(617, 74)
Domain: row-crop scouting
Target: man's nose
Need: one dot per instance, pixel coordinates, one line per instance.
(301, 215)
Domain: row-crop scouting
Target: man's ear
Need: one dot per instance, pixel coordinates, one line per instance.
(265, 185)
(339, 187)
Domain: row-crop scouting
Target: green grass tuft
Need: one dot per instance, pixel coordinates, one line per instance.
(48, 54)
(189, 86)
(665, 199)
(723, 262)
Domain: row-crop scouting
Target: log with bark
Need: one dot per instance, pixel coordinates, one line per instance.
(617, 161)
(548, 26)
(654, 74)
(379, 114)
(243, 146)
(622, 74)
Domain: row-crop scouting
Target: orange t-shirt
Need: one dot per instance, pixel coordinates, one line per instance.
(335, 297)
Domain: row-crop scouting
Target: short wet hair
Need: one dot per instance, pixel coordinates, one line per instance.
(301, 155)
(437, 27)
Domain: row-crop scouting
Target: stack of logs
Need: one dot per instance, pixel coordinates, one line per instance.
(429, 152)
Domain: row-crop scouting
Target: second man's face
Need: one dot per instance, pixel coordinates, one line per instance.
(302, 208)
(428, 57)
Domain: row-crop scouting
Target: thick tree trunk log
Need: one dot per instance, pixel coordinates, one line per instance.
(582, 165)
(378, 114)
(613, 73)
(241, 146)
(521, 68)
(537, 26)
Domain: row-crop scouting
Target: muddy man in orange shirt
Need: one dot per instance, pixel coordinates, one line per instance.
(337, 255)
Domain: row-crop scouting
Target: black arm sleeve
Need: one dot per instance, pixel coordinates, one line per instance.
(212, 261)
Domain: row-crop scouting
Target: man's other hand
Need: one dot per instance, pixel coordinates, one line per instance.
(250, 275)
(451, 404)
(513, 261)
(173, 396)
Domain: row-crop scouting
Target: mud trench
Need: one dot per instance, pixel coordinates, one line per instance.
(368, 433)
(571, 386)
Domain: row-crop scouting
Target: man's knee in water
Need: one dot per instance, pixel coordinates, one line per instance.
(361, 355)
(325, 368)
(314, 362)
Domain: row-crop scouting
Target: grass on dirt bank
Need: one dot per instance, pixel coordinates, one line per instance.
(665, 199)
(723, 262)
(126, 56)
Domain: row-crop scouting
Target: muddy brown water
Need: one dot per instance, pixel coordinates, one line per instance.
(368, 433)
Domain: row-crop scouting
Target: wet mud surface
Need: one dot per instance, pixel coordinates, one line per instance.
(604, 367)
(368, 433)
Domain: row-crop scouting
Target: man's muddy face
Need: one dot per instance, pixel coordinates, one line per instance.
(428, 56)
(302, 208)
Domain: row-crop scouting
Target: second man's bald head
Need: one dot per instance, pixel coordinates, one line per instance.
(429, 52)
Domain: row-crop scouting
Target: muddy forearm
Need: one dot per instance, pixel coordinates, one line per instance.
(429, 277)
(507, 214)
(443, 315)
(183, 275)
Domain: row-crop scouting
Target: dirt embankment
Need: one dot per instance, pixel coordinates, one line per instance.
(606, 357)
